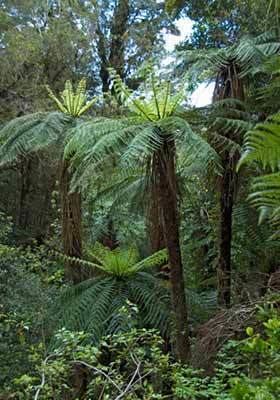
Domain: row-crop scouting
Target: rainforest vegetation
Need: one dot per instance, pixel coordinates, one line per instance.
(139, 230)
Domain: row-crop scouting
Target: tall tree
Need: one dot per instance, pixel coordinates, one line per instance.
(219, 23)
(128, 33)
(39, 46)
(228, 86)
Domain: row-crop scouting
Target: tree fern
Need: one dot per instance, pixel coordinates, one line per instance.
(148, 136)
(95, 304)
(34, 132)
(249, 54)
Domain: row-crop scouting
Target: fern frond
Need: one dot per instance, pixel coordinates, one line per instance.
(262, 144)
(31, 133)
(95, 305)
(153, 300)
(85, 307)
(61, 107)
(145, 142)
(154, 260)
(266, 192)
(73, 103)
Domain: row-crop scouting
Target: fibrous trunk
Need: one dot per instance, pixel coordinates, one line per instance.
(164, 170)
(226, 207)
(155, 223)
(71, 226)
(228, 85)
(25, 172)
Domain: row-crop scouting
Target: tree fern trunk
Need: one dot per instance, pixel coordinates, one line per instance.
(164, 165)
(154, 223)
(226, 207)
(25, 172)
(71, 226)
(228, 85)
(109, 238)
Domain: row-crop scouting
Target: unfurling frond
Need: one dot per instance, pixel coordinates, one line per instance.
(155, 103)
(73, 103)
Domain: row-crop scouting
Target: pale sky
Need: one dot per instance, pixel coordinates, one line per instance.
(203, 94)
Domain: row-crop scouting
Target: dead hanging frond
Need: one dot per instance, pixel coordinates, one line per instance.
(228, 83)
(224, 326)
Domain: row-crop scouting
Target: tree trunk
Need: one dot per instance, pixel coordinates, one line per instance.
(118, 31)
(164, 167)
(25, 172)
(109, 239)
(102, 52)
(155, 223)
(115, 57)
(71, 226)
(226, 207)
(228, 85)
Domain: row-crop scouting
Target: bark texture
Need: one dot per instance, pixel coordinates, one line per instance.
(228, 85)
(226, 207)
(71, 226)
(164, 165)
(155, 223)
(114, 56)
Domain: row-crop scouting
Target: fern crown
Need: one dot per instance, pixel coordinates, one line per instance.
(95, 305)
(123, 262)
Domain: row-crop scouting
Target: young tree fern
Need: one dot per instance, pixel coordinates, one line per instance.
(96, 305)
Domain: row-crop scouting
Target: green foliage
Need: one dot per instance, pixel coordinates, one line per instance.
(131, 365)
(6, 227)
(218, 24)
(261, 353)
(31, 133)
(262, 145)
(39, 48)
(25, 297)
(246, 369)
(74, 104)
(96, 304)
(123, 295)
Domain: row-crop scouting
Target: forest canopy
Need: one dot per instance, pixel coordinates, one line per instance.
(139, 231)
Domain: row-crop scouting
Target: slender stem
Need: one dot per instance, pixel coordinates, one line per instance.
(155, 95)
(166, 99)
